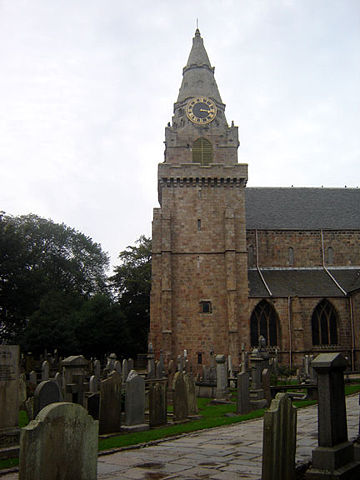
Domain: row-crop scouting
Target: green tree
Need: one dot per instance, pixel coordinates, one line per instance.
(131, 284)
(38, 258)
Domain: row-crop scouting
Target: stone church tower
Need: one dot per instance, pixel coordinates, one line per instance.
(199, 296)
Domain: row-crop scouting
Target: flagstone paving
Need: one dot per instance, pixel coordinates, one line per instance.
(224, 453)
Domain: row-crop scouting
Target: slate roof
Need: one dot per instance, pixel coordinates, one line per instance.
(302, 282)
(302, 208)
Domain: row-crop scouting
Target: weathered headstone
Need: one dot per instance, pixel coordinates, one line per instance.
(117, 367)
(22, 389)
(110, 404)
(180, 399)
(135, 401)
(257, 397)
(59, 380)
(279, 440)
(45, 371)
(157, 402)
(93, 384)
(46, 392)
(334, 457)
(9, 394)
(130, 364)
(243, 399)
(33, 379)
(60, 444)
(191, 394)
(221, 378)
(97, 368)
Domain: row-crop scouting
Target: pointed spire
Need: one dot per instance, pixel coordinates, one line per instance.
(198, 75)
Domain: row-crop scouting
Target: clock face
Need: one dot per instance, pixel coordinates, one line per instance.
(201, 110)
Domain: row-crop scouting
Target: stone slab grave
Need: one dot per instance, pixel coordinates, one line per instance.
(279, 440)
(74, 374)
(157, 402)
(60, 444)
(46, 392)
(134, 403)
(110, 404)
(9, 395)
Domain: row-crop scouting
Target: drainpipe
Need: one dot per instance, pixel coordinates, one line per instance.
(290, 333)
(257, 264)
(352, 333)
(324, 266)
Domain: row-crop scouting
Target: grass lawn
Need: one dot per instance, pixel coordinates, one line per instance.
(211, 416)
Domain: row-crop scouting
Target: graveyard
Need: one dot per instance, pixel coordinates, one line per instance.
(91, 407)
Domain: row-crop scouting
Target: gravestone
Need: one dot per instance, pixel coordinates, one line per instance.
(279, 440)
(117, 367)
(180, 398)
(59, 380)
(45, 371)
(135, 402)
(150, 362)
(60, 444)
(125, 370)
(265, 380)
(74, 375)
(110, 404)
(93, 384)
(130, 364)
(46, 392)
(334, 457)
(93, 405)
(257, 396)
(243, 399)
(111, 359)
(157, 402)
(9, 395)
(22, 390)
(97, 368)
(33, 379)
(191, 394)
(221, 378)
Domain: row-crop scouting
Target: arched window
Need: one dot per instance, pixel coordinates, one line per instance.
(202, 151)
(263, 322)
(291, 256)
(324, 324)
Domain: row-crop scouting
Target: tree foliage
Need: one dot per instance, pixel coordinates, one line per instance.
(131, 284)
(39, 258)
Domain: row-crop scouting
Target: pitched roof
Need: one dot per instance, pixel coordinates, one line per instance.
(302, 282)
(302, 208)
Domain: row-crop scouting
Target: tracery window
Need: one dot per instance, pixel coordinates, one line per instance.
(263, 322)
(202, 151)
(324, 322)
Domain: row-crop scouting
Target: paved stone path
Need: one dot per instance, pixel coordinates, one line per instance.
(224, 453)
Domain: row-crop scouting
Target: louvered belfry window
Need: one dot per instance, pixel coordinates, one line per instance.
(202, 151)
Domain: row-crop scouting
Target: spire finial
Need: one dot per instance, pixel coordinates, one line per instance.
(197, 31)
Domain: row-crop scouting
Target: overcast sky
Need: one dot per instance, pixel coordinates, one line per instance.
(87, 87)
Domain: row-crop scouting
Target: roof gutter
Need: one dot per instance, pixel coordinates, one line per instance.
(257, 264)
(324, 266)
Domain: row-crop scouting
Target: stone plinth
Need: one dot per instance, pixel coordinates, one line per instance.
(333, 459)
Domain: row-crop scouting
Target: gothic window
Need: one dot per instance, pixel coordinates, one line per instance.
(330, 255)
(263, 322)
(251, 256)
(202, 151)
(291, 257)
(324, 324)
(205, 307)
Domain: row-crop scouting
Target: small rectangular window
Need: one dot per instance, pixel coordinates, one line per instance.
(199, 225)
(205, 307)
(199, 355)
